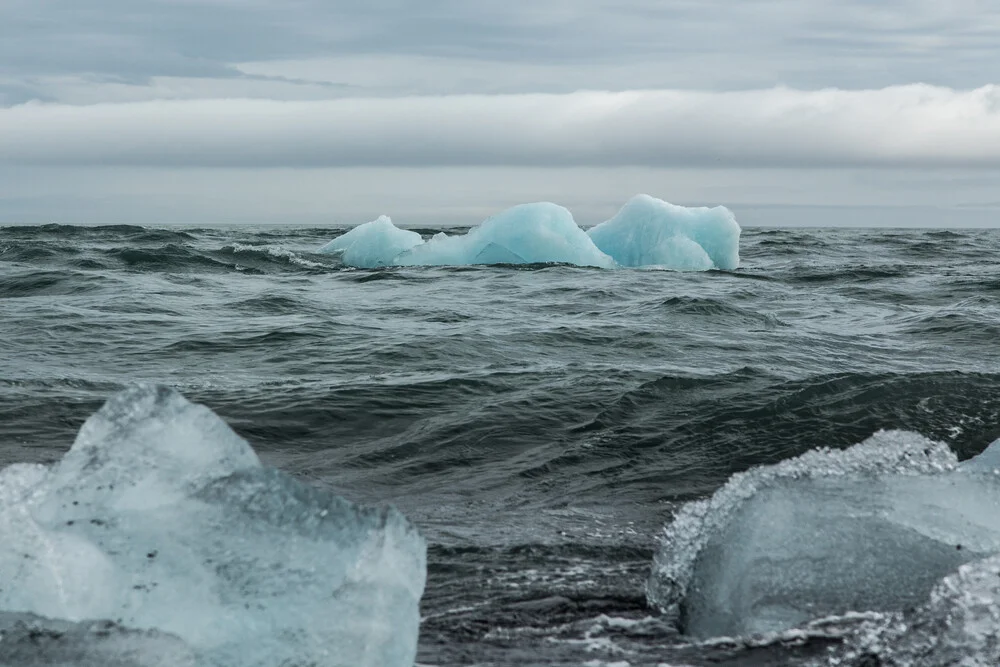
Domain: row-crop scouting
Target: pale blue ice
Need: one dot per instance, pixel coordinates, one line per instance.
(873, 527)
(645, 232)
(161, 518)
(651, 232)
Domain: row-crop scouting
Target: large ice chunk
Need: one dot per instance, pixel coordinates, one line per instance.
(525, 234)
(373, 244)
(645, 232)
(874, 527)
(161, 518)
(649, 231)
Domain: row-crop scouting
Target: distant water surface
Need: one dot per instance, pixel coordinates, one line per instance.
(539, 423)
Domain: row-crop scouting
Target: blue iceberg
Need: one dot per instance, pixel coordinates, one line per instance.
(651, 232)
(645, 232)
(161, 519)
(373, 244)
(525, 234)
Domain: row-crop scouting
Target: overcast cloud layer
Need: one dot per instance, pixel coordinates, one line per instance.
(699, 86)
(906, 126)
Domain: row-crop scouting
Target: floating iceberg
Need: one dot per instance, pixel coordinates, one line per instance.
(161, 519)
(874, 527)
(651, 232)
(373, 244)
(646, 232)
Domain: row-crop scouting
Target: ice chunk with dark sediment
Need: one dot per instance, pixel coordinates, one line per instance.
(160, 518)
(874, 527)
(27, 640)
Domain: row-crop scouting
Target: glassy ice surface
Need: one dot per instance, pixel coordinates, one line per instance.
(874, 527)
(161, 518)
(646, 232)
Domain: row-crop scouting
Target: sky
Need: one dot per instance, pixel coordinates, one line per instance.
(790, 112)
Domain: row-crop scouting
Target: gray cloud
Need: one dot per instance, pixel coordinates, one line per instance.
(900, 126)
(705, 44)
(290, 110)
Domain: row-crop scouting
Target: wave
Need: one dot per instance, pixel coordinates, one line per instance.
(170, 257)
(720, 309)
(267, 255)
(956, 328)
(134, 233)
(671, 438)
(844, 274)
(709, 427)
(34, 283)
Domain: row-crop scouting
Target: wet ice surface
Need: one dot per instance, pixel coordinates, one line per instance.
(27, 640)
(161, 518)
(893, 526)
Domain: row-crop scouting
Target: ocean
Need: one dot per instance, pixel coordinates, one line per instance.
(540, 424)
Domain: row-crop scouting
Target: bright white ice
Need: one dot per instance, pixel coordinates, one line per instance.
(160, 517)
(645, 232)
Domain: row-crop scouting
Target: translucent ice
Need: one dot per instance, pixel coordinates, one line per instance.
(27, 640)
(958, 625)
(160, 518)
(645, 232)
(373, 244)
(525, 234)
(874, 527)
(649, 231)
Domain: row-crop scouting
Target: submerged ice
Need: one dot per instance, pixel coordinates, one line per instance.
(160, 518)
(645, 232)
(874, 527)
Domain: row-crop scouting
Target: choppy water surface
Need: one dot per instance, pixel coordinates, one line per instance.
(539, 423)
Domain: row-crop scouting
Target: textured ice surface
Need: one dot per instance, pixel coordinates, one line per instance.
(874, 527)
(161, 518)
(373, 244)
(27, 640)
(648, 231)
(525, 234)
(958, 625)
(645, 232)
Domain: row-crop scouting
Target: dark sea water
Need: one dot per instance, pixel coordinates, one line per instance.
(538, 423)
